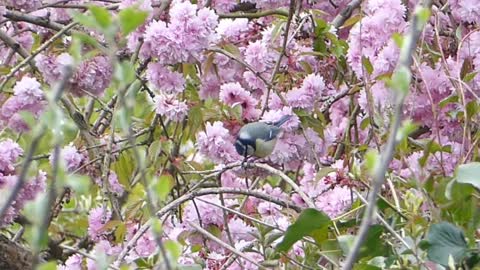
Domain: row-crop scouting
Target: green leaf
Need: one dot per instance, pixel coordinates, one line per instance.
(470, 76)
(469, 174)
(101, 16)
(373, 246)
(85, 20)
(423, 15)
(400, 80)
(367, 65)
(124, 72)
(352, 20)
(79, 183)
(130, 19)
(173, 248)
(372, 159)
(398, 39)
(407, 128)
(164, 185)
(309, 221)
(446, 239)
(47, 266)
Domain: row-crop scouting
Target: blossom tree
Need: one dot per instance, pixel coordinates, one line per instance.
(119, 119)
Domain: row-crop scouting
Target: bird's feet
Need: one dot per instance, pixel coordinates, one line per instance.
(247, 163)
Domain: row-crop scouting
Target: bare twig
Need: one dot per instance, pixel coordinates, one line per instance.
(44, 22)
(279, 12)
(343, 16)
(16, 47)
(225, 245)
(291, 11)
(289, 181)
(404, 63)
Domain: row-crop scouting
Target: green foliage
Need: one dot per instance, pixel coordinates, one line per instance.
(400, 80)
(130, 19)
(310, 222)
(445, 240)
(469, 174)
(373, 246)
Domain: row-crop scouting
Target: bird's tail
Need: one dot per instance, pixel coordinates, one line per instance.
(282, 120)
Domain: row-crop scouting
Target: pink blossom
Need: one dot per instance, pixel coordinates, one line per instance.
(74, 262)
(209, 215)
(27, 97)
(20, 34)
(220, 5)
(371, 34)
(239, 230)
(210, 87)
(232, 29)
(72, 158)
(256, 55)
(170, 107)
(216, 143)
(466, 10)
(188, 33)
(92, 76)
(113, 185)
(306, 97)
(52, 67)
(26, 5)
(145, 246)
(254, 81)
(145, 5)
(233, 94)
(97, 219)
(29, 192)
(10, 151)
(164, 79)
(273, 116)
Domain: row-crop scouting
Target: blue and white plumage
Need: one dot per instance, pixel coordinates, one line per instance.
(259, 138)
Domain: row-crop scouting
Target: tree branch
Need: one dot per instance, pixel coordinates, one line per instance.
(404, 62)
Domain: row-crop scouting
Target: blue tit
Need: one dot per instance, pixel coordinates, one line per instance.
(259, 138)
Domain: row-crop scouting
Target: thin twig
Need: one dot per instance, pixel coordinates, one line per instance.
(280, 12)
(16, 47)
(343, 16)
(291, 11)
(289, 181)
(404, 62)
(224, 245)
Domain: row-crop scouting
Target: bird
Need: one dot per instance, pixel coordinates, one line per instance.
(258, 139)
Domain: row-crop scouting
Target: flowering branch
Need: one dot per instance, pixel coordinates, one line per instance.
(404, 63)
(190, 196)
(68, 71)
(289, 181)
(43, 47)
(224, 245)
